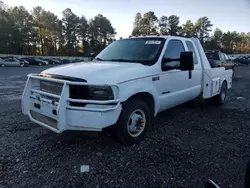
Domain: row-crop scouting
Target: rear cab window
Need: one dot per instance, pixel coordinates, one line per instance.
(191, 48)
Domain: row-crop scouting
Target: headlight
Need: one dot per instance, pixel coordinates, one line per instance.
(100, 93)
(91, 92)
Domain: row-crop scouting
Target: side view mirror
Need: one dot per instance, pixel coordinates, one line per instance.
(186, 61)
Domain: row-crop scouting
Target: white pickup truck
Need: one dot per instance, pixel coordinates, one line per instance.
(125, 86)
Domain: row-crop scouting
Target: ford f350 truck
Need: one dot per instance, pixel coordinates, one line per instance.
(125, 86)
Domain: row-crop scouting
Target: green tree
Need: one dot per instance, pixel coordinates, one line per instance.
(188, 29)
(242, 44)
(52, 33)
(41, 32)
(6, 25)
(22, 29)
(3, 6)
(163, 25)
(228, 41)
(173, 25)
(47, 30)
(70, 25)
(148, 23)
(215, 41)
(137, 24)
(203, 28)
(101, 33)
(39, 22)
(218, 34)
(56, 34)
(82, 32)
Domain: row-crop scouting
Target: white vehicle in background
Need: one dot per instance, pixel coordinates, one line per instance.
(12, 62)
(232, 57)
(125, 86)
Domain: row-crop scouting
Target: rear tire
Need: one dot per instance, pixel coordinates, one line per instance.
(133, 122)
(221, 98)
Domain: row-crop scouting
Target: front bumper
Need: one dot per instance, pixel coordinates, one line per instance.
(55, 112)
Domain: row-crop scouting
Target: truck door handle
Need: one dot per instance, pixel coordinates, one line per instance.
(54, 112)
(37, 105)
(190, 74)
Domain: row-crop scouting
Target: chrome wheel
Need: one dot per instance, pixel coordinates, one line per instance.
(136, 123)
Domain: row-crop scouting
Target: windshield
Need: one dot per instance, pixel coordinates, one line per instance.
(227, 58)
(142, 50)
(37, 59)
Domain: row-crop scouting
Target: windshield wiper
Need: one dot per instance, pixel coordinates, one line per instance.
(127, 60)
(99, 59)
(122, 60)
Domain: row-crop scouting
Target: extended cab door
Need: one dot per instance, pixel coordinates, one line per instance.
(196, 81)
(175, 86)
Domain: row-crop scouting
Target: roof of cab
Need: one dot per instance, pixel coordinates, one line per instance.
(159, 36)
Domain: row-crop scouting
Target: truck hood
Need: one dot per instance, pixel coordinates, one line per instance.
(100, 72)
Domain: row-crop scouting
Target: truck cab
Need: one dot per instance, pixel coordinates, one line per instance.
(124, 87)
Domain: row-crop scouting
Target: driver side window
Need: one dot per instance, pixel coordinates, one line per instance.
(173, 51)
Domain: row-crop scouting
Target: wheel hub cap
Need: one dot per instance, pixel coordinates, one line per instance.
(136, 123)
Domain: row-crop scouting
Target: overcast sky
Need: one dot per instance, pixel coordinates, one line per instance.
(224, 14)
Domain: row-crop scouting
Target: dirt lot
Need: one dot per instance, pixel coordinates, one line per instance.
(184, 146)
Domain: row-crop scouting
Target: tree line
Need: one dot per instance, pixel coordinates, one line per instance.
(229, 42)
(41, 32)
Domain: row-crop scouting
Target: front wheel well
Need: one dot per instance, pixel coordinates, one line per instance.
(147, 98)
(225, 82)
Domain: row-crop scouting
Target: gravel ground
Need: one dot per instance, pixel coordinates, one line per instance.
(185, 145)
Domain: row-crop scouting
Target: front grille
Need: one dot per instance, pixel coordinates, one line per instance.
(76, 92)
(51, 87)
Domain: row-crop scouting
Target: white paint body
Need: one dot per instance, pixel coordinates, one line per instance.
(172, 88)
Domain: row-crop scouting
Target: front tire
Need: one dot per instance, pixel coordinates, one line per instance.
(133, 122)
